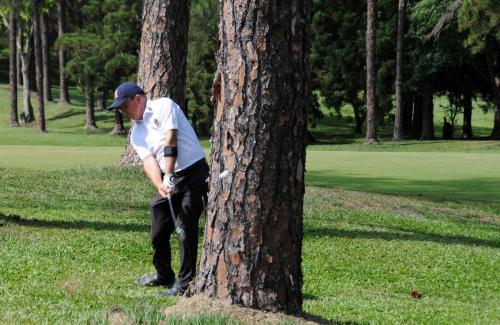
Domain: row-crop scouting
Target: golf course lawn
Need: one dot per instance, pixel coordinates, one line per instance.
(380, 222)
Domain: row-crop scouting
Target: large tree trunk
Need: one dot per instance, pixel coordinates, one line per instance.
(371, 74)
(89, 106)
(47, 91)
(254, 227)
(27, 115)
(399, 121)
(13, 120)
(119, 129)
(163, 56)
(427, 115)
(38, 64)
(63, 86)
(467, 123)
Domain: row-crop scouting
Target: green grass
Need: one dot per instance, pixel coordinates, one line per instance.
(73, 242)
(379, 222)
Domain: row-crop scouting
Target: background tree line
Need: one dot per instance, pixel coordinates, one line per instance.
(426, 47)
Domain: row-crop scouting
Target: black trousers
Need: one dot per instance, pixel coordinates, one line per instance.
(188, 202)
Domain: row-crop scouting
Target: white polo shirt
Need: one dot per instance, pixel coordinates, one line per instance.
(148, 134)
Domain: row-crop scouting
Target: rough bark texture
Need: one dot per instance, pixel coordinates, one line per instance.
(89, 106)
(254, 227)
(371, 74)
(399, 121)
(427, 115)
(101, 100)
(13, 120)
(38, 65)
(467, 124)
(25, 52)
(63, 87)
(163, 57)
(119, 129)
(47, 87)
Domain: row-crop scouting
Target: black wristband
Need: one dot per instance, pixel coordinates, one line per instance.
(169, 151)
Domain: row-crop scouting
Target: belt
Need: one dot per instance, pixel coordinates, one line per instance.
(189, 169)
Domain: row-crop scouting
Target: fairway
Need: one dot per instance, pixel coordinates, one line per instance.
(469, 176)
(57, 157)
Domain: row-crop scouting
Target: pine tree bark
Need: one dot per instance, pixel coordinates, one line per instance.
(25, 53)
(89, 106)
(18, 50)
(254, 227)
(371, 74)
(467, 123)
(399, 121)
(13, 120)
(38, 64)
(47, 87)
(63, 86)
(427, 115)
(163, 57)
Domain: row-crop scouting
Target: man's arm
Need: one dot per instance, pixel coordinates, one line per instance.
(153, 172)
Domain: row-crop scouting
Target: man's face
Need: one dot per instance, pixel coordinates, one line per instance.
(134, 108)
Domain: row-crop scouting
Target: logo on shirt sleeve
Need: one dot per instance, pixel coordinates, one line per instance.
(156, 122)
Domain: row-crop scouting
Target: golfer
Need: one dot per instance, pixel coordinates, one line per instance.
(175, 164)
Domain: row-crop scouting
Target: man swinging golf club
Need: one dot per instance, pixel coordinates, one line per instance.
(175, 164)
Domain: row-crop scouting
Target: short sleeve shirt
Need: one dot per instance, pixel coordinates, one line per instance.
(148, 135)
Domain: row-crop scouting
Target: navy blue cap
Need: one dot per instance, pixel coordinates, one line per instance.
(123, 93)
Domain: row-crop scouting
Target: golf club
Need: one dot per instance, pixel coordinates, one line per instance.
(178, 229)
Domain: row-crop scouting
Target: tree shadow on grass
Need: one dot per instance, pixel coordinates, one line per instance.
(80, 224)
(409, 235)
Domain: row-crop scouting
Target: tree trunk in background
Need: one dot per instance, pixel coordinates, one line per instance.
(254, 227)
(63, 86)
(467, 125)
(119, 129)
(359, 119)
(18, 50)
(47, 87)
(416, 125)
(13, 120)
(38, 64)
(427, 115)
(27, 115)
(89, 106)
(399, 121)
(163, 56)
(371, 74)
(101, 100)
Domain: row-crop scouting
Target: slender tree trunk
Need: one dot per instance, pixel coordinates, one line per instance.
(416, 126)
(63, 87)
(47, 91)
(254, 227)
(119, 129)
(492, 61)
(467, 125)
(358, 119)
(163, 56)
(19, 51)
(38, 64)
(427, 115)
(101, 100)
(89, 106)
(13, 120)
(371, 74)
(399, 121)
(27, 115)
